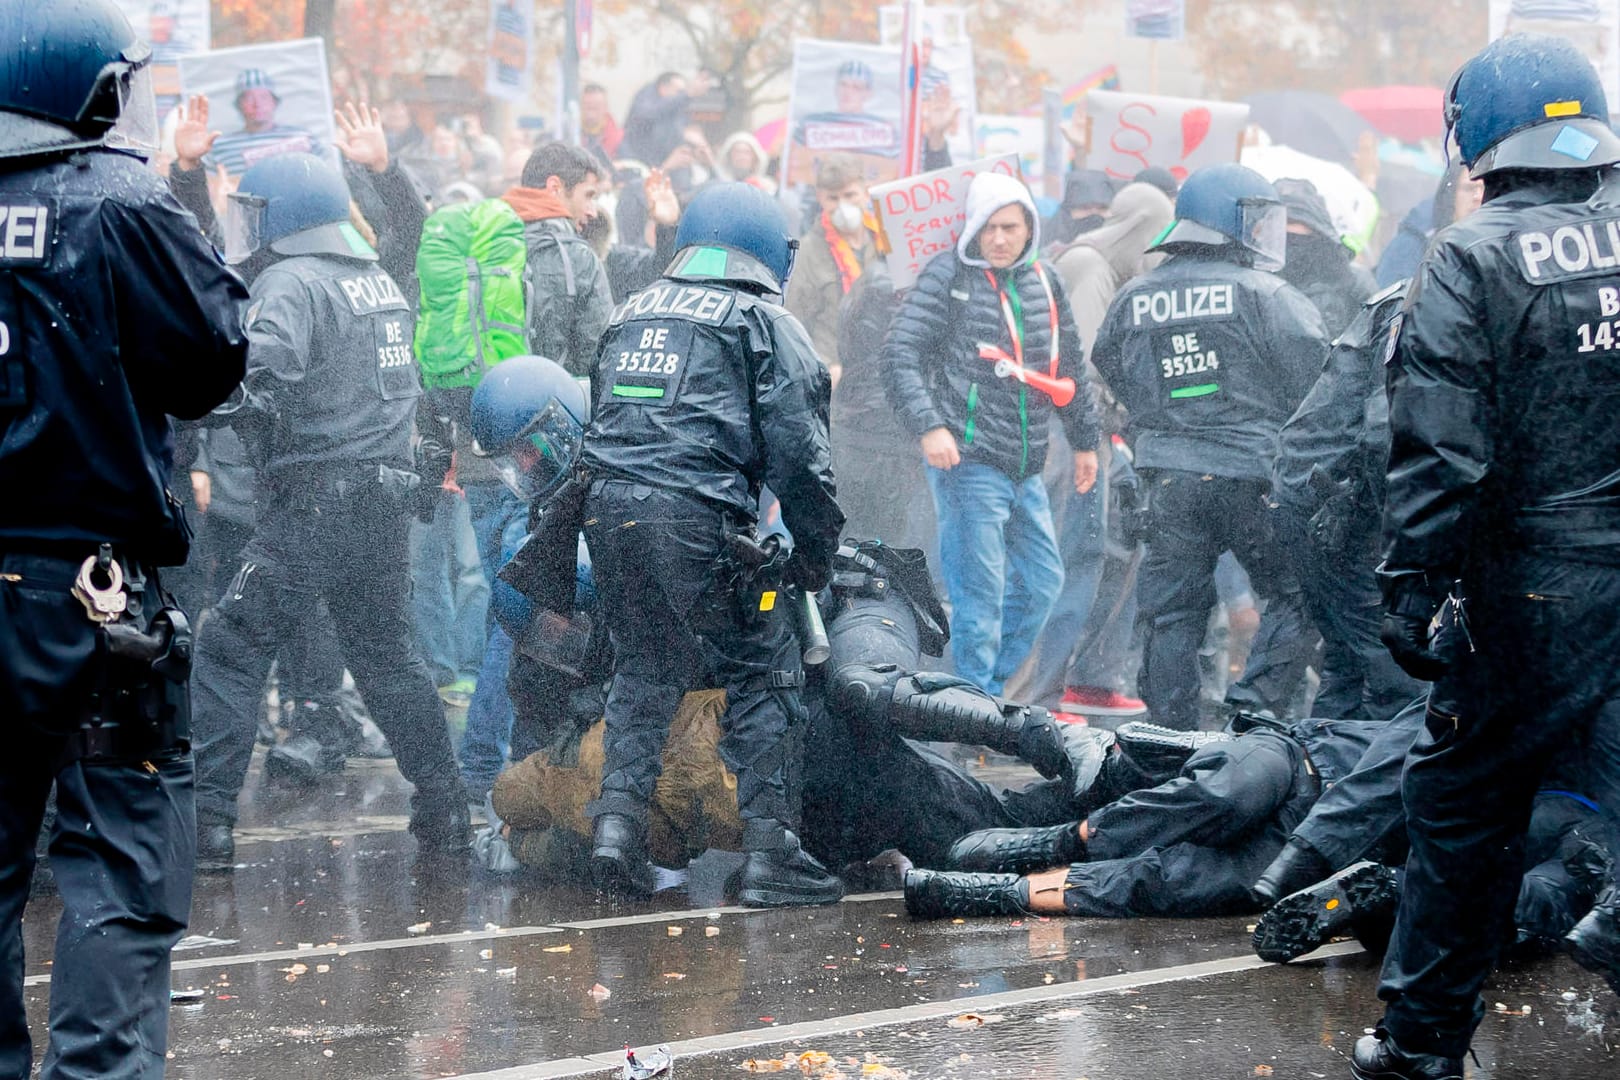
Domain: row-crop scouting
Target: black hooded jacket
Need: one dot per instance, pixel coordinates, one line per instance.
(1504, 386)
(115, 313)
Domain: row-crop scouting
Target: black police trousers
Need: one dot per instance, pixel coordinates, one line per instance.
(1194, 519)
(353, 553)
(1360, 680)
(1541, 678)
(1362, 816)
(122, 847)
(653, 554)
(1193, 845)
(866, 789)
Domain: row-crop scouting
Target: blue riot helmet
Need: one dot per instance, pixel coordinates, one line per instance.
(1530, 101)
(737, 233)
(1226, 206)
(73, 76)
(291, 204)
(529, 416)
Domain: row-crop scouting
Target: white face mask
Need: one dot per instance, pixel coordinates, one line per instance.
(847, 218)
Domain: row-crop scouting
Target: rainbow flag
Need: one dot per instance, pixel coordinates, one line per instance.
(1104, 78)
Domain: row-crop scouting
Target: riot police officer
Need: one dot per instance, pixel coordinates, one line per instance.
(114, 311)
(706, 388)
(327, 409)
(1501, 567)
(1210, 352)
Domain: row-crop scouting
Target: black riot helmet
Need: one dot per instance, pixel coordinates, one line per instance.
(73, 76)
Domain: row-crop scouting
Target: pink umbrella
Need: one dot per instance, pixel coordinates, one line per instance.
(1409, 113)
(770, 136)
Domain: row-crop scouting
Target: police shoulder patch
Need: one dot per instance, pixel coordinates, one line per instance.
(1394, 337)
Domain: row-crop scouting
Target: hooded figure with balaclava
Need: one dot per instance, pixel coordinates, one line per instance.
(1210, 352)
(1318, 264)
(978, 357)
(1081, 655)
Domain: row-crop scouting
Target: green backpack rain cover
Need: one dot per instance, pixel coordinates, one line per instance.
(471, 266)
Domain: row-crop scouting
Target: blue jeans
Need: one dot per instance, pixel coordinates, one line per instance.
(499, 519)
(449, 595)
(1001, 567)
(1082, 544)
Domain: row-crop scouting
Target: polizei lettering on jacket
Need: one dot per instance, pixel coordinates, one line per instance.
(25, 233)
(687, 301)
(1580, 249)
(1179, 305)
(371, 293)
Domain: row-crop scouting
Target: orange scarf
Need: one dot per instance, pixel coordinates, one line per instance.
(843, 253)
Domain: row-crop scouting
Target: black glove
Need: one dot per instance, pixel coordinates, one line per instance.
(1411, 602)
(807, 573)
(434, 458)
(1135, 513)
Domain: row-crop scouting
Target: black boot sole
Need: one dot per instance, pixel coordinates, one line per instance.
(783, 894)
(1304, 921)
(1582, 953)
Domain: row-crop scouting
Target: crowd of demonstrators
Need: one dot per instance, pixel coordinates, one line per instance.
(646, 458)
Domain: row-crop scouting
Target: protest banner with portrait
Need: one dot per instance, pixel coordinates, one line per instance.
(945, 57)
(174, 28)
(920, 216)
(267, 100)
(845, 99)
(1593, 26)
(510, 52)
(1132, 132)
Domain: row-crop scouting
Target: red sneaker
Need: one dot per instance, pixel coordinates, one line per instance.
(1095, 701)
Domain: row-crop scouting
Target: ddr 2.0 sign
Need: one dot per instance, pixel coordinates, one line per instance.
(1131, 132)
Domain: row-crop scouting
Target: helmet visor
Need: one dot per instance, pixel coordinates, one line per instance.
(137, 129)
(243, 226)
(1265, 232)
(536, 460)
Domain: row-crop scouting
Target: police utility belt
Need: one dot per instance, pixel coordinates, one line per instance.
(347, 482)
(138, 704)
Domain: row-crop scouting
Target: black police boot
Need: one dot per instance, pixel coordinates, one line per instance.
(936, 707)
(1297, 866)
(1376, 1057)
(216, 848)
(1360, 898)
(780, 873)
(935, 894)
(1017, 851)
(441, 824)
(619, 863)
(1595, 941)
(302, 761)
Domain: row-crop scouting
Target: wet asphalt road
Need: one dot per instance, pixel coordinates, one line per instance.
(333, 957)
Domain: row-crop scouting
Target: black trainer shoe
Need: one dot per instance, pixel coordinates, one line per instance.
(1595, 941)
(1376, 1057)
(619, 864)
(935, 894)
(301, 761)
(1296, 867)
(780, 873)
(1363, 894)
(1017, 851)
(216, 849)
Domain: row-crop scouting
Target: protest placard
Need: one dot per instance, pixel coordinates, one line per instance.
(1132, 132)
(511, 47)
(1156, 20)
(1024, 137)
(173, 28)
(1592, 26)
(921, 216)
(845, 99)
(282, 99)
(945, 57)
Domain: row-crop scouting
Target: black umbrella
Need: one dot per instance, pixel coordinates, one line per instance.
(1316, 124)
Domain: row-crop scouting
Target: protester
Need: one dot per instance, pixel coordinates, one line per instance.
(981, 319)
(832, 255)
(658, 118)
(598, 131)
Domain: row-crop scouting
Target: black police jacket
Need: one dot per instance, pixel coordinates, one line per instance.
(332, 382)
(115, 313)
(1338, 438)
(935, 376)
(1210, 359)
(704, 386)
(1504, 387)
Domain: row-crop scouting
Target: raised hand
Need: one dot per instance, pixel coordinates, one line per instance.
(192, 139)
(361, 137)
